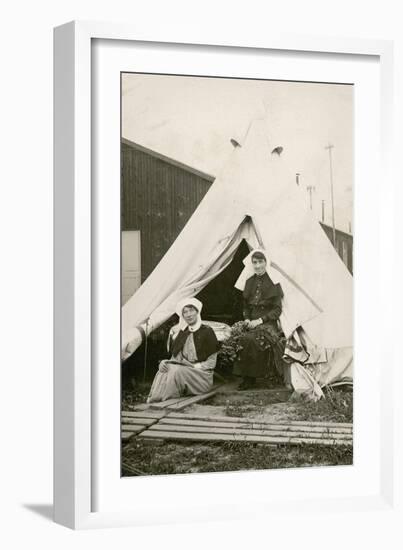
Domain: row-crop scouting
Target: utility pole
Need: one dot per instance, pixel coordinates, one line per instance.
(323, 211)
(329, 148)
(310, 189)
(297, 175)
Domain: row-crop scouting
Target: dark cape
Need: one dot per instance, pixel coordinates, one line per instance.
(204, 338)
(262, 348)
(262, 299)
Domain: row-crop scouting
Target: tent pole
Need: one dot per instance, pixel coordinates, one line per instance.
(145, 353)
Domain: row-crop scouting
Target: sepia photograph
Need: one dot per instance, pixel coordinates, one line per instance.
(236, 274)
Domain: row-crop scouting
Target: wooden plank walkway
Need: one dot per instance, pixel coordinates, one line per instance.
(228, 427)
(243, 420)
(135, 422)
(147, 414)
(168, 424)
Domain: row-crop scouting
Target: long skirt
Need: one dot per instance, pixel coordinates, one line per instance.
(261, 347)
(179, 380)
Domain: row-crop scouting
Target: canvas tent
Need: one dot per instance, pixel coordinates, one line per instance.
(251, 199)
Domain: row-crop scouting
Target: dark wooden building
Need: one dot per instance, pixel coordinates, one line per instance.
(158, 197)
(343, 245)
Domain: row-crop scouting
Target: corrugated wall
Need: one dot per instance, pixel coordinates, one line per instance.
(341, 238)
(158, 199)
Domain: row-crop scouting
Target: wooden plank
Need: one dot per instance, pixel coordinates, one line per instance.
(126, 435)
(255, 420)
(179, 403)
(252, 425)
(191, 400)
(159, 405)
(148, 434)
(318, 423)
(141, 407)
(144, 414)
(133, 428)
(153, 185)
(208, 177)
(248, 431)
(139, 421)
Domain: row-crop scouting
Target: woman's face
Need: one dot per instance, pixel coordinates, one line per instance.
(259, 265)
(190, 315)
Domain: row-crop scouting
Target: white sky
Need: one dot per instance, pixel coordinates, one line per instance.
(191, 119)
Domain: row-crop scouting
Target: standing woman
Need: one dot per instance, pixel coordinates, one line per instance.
(264, 340)
(190, 370)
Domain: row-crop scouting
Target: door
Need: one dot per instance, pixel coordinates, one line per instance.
(131, 263)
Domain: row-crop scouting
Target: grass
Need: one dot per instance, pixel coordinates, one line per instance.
(246, 403)
(337, 406)
(136, 396)
(153, 458)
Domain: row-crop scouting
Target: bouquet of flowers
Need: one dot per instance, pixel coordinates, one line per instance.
(231, 346)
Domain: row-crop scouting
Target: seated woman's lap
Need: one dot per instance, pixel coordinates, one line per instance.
(249, 339)
(174, 369)
(166, 366)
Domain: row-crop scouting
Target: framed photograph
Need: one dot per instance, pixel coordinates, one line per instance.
(221, 221)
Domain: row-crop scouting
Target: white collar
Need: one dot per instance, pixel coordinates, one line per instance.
(196, 326)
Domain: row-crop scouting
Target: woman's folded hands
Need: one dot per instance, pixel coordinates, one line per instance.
(253, 324)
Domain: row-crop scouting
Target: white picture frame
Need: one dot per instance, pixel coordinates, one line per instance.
(78, 310)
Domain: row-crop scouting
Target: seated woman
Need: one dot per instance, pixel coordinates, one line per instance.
(190, 370)
(261, 311)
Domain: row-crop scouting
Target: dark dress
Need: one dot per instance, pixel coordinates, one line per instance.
(264, 345)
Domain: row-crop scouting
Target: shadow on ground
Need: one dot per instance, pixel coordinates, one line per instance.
(43, 510)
